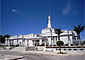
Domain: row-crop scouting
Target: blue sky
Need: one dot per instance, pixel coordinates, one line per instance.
(19, 17)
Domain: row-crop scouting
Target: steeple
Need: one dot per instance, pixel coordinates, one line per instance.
(49, 21)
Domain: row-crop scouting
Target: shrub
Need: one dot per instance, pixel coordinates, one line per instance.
(60, 43)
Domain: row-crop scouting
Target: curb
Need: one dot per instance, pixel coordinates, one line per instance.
(45, 53)
(12, 57)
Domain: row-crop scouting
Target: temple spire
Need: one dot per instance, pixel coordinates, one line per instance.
(49, 12)
(49, 21)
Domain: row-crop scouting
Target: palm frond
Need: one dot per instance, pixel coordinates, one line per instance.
(58, 31)
(78, 28)
(82, 28)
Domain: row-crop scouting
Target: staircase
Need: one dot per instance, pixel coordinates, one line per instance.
(30, 49)
(18, 49)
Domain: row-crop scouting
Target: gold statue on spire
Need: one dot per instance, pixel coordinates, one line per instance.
(49, 12)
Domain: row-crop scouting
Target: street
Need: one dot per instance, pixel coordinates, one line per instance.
(28, 56)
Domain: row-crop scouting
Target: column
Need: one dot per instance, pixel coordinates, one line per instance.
(25, 42)
(69, 42)
(12, 42)
(49, 40)
(45, 43)
(9, 43)
(40, 42)
(54, 40)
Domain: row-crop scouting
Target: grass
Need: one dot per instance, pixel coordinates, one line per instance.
(2, 46)
(61, 53)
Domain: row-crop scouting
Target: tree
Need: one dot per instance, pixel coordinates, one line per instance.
(78, 29)
(58, 31)
(83, 42)
(60, 43)
(2, 39)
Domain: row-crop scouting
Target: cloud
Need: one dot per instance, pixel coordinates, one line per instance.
(21, 13)
(67, 9)
(13, 10)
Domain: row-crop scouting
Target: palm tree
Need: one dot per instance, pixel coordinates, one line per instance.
(58, 31)
(7, 36)
(78, 29)
(2, 39)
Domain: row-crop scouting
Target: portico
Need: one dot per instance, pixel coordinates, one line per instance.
(38, 41)
(34, 41)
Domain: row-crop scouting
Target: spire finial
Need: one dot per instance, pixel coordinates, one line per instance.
(49, 12)
(49, 21)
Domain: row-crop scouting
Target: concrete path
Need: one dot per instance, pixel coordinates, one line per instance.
(28, 56)
(46, 53)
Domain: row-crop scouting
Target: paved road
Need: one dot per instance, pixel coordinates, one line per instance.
(28, 56)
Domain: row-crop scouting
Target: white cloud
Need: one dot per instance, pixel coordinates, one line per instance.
(67, 9)
(13, 10)
(21, 13)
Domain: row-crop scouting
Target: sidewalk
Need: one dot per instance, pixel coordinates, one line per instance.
(41, 52)
(46, 53)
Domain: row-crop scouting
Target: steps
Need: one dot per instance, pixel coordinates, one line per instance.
(24, 49)
(31, 49)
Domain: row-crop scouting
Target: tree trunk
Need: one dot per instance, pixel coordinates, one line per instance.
(59, 37)
(60, 49)
(78, 37)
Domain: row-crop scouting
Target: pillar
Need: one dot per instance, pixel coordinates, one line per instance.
(45, 43)
(54, 40)
(49, 40)
(25, 42)
(40, 42)
(9, 43)
(69, 42)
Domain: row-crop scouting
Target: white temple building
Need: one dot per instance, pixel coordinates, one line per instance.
(47, 37)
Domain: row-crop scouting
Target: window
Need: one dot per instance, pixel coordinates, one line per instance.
(75, 49)
(64, 49)
(69, 49)
(81, 49)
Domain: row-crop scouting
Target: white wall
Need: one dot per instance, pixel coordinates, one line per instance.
(49, 40)
(30, 43)
(15, 42)
(72, 51)
(64, 39)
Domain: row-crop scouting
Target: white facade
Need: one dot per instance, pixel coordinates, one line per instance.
(47, 37)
